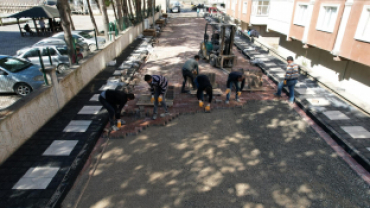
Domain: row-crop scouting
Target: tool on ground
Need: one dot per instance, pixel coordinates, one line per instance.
(200, 103)
(152, 99)
(160, 98)
(219, 50)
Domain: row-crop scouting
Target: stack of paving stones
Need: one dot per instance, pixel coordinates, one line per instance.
(43, 169)
(346, 124)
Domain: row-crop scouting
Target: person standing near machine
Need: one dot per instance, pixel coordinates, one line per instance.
(190, 69)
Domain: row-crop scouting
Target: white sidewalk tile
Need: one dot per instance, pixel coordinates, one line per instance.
(335, 115)
(90, 110)
(60, 148)
(305, 91)
(95, 97)
(356, 132)
(318, 101)
(36, 178)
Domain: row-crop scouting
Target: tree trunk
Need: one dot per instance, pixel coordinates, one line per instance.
(138, 9)
(70, 17)
(105, 19)
(114, 9)
(130, 7)
(125, 11)
(119, 11)
(98, 5)
(92, 16)
(63, 6)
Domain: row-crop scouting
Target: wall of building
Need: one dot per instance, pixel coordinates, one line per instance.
(280, 15)
(351, 48)
(322, 39)
(296, 31)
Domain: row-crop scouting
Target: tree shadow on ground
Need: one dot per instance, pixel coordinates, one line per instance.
(263, 155)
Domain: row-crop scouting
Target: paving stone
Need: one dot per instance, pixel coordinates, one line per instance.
(90, 110)
(306, 91)
(95, 97)
(318, 102)
(60, 148)
(36, 178)
(335, 115)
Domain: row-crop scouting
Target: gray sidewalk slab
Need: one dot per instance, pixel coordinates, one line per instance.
(263, 155)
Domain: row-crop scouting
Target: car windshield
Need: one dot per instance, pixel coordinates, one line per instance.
(85, 35)
(14, 64)
(63, 51)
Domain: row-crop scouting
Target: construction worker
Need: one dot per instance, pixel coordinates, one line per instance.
(190, 69)
(204, 85)
(114, 101)
(158, 87)
(290, 80)
(238, 79)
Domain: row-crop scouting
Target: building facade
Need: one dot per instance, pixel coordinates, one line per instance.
(330, 37)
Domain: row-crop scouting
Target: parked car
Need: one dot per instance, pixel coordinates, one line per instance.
(84, 47)
(84, 37)
(59, 56)
(175, 6)
(19, 76)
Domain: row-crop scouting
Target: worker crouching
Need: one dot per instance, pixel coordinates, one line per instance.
(204, 85)
(238, 80)
(158, 87)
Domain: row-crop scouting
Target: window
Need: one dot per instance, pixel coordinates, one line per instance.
(45, 52)
(301, 14)
(245, 7)
(14, 64)
(327, 18)
(233, 6)
(363, 28)
(261, 7)
(31, 53)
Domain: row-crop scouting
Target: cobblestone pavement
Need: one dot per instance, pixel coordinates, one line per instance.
(261, 155)
(178, 42)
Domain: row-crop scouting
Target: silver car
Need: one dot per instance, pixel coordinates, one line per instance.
(84, 47)
(19, 76)
(85, 37)
(59, 56)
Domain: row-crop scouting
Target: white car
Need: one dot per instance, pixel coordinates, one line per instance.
(84, 37)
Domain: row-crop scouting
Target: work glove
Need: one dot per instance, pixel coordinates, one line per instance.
(239, 93)
(200, 103)
(160, 98)
(152, 99)
(284, 82)
(227, 91)
(208, 107)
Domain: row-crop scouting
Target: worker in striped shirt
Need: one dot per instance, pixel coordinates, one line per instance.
(290, 80)
(158, 87)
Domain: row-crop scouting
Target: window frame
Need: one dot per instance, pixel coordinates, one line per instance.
(322, 11)
(365, 16)
(297, 11)
(256, 5)
(246, 7)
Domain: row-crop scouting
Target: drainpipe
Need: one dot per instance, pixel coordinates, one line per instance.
(308, 21)
(342, 27)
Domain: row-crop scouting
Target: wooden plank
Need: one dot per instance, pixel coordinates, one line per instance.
(216, 91)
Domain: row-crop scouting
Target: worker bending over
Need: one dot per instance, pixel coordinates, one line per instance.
(203, 84)
(114, 101)
(190, 69)
(237, 79)
(158, 87)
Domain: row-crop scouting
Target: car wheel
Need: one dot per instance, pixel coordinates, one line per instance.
(92, 47)
(22, 89)
(61, 68)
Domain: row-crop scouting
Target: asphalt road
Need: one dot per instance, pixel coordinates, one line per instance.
(263, 155)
